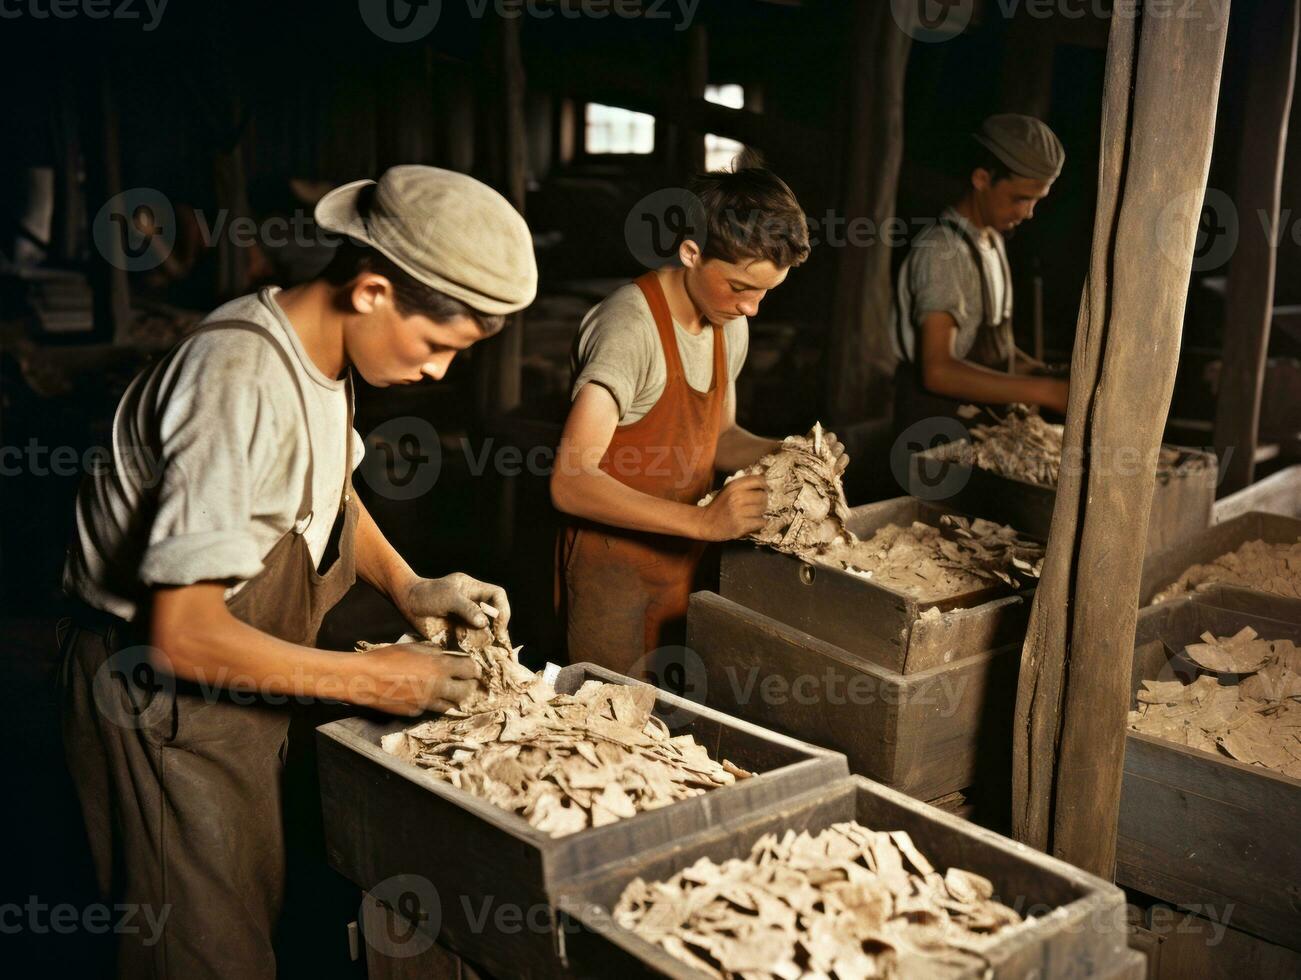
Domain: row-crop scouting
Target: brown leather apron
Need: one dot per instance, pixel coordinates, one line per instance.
(994, 348)
(180, 785)
(623, 592)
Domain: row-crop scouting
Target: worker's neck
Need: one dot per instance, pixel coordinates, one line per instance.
(681, 307)
(310, 310)
(968, 209)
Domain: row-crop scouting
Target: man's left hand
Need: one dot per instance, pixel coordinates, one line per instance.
(456, 595)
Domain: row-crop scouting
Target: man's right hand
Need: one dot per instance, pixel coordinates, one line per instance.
(411, 678)
(736, 511)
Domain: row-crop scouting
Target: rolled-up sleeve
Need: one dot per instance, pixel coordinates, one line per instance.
(210, 409)
(613, 351)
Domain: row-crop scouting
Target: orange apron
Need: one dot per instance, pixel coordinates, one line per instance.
(624, 593)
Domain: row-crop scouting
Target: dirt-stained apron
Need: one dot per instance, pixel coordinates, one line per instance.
(624, 593)
(180, 783)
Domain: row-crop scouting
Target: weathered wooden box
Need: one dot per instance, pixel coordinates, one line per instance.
(1181, 502)
(1078, 930)
(1278, 493)
(490, 873)
(1201, 830)
(1164, 568)
(927, 733)
(867, 619)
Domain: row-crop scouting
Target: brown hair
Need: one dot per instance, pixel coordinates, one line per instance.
(751, 214)
(410, 295)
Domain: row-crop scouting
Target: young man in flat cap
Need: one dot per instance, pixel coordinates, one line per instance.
(953, 312)
(653, 416)
(203, 577)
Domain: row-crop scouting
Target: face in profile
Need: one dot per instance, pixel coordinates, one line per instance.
(723, 290)
(1004, 204)
(389, 347)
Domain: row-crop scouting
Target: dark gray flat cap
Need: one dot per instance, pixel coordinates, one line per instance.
(1025, 144)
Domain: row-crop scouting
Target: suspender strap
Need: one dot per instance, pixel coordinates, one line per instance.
(305, 506)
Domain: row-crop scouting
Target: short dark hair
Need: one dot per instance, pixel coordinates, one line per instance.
(411, 296)
(977, 156)
(750, 213)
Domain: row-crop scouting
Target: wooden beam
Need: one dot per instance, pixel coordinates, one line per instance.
(1158, 126)
(107, 273)
(1249, 303)
(859, 359)
(499, 379)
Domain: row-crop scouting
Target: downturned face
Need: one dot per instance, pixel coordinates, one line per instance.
(722, 290)
(1010, 201)
(387, 348)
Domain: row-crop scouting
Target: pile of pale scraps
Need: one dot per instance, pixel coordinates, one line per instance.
(1022, 446)
(807, 516)
(806, 502)
(565, 762)
(1256, 720)
(1256, 565)
(848, 902)
(930, 563)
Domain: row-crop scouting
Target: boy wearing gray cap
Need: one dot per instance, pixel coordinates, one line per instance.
(203, 577)
(953, 310)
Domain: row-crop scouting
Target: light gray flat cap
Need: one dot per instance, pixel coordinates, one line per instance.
(1025, 144)
(446, 229)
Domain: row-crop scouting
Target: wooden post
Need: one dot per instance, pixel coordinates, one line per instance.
(695, 76)
(1249, 305)
(107, 273)
(1158, 126)
(859, 359)
(499, 379)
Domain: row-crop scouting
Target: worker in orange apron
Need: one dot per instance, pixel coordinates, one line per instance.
(654, 417)
(206, 557)
(952, 327)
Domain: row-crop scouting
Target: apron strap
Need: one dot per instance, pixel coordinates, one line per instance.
(305, 505)
(649, 284)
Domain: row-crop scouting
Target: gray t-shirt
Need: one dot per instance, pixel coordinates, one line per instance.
(209, 464)
(619, 348)
(939, 277)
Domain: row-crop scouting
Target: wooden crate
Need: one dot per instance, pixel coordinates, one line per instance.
(1278, 493)
(870, 620)
(1198, 828)
(489, 871)
(1079, 930)
(1182, 945)
(1181, 504)
(1162, 569)
(927, 733)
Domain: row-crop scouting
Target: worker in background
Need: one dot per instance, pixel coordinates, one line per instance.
(953, 309)
(203, 578)
(653, 416)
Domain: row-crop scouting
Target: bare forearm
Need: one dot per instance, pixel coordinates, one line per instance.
(597, 496)
(738, 449)
(967, 381)
(216, 650)
(378, 562)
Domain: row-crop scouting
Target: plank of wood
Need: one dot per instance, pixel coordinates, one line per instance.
(1249, 300)
(1158, 124)
(1278, 493)
(926, 734)
(859, 358)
